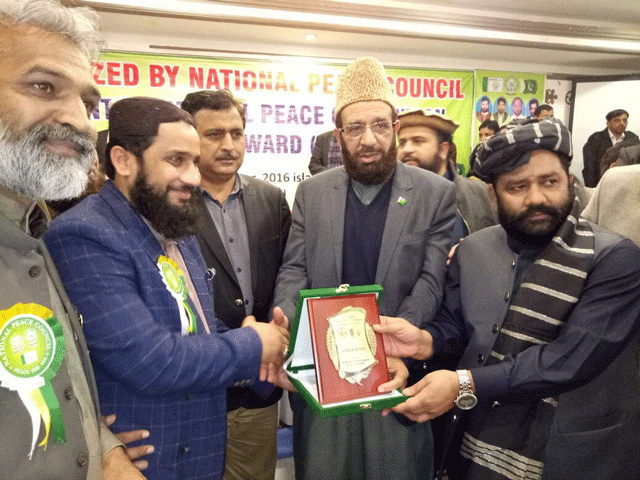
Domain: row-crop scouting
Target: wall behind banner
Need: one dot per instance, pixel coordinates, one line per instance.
(288, 103)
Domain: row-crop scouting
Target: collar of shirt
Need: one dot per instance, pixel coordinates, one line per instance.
(613, 138)
(19, 211)
(158, 235)
(238, 190)
(367, 193)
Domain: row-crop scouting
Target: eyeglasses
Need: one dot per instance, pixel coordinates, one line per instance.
(356, 130)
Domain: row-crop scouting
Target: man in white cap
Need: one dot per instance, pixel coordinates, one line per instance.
(374, 220)
(424, 141)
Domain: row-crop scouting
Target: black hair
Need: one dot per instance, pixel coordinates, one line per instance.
(134, 144)
(542, 108)
(213, 100)
(491, 125)
(616, 113)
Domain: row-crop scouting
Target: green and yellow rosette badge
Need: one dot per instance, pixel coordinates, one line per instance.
(31, 352)
(174, 281)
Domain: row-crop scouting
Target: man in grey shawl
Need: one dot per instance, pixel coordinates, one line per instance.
(543, 312)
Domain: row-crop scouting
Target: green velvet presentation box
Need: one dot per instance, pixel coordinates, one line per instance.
(336, 361)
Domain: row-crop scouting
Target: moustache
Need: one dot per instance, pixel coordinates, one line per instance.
(83, 142)
(534, 209)
(228, 156)
(185, 188)
(368, 151)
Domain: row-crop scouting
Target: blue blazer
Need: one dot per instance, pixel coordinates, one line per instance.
(148, 374)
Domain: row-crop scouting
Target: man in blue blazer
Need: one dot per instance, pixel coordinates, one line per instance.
(132, 267)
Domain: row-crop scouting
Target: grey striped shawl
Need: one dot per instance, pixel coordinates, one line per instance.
(509, 441)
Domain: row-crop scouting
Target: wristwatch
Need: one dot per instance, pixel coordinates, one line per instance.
(466, 399)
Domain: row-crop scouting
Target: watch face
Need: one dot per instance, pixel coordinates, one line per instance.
(466, 401)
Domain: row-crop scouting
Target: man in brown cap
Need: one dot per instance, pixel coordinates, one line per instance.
(133, 268)
(424, 141)
(543, 312)
(373, 220)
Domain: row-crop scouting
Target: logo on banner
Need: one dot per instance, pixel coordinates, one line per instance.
(492, 84)
(528, 86)
(511, 85)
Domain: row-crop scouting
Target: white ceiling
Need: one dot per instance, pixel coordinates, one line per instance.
(568, 37)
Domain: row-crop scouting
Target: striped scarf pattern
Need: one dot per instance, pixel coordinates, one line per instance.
(509, 441)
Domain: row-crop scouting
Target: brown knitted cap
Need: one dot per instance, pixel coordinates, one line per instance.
(141, 117)
(426, 117)
(363, 80)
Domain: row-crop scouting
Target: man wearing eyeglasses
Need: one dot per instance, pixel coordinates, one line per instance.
(374, 220)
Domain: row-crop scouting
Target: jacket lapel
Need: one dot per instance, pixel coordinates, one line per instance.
(397, 214)
(251, 211)
(337, 205)
(132, 220)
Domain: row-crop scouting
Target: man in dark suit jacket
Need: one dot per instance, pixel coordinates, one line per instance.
(131, 265)
(599, 142)
(243, 237)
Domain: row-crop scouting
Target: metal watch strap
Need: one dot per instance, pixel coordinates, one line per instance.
(466, 399)
(465, 382)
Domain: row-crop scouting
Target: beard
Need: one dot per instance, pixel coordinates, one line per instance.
(370, 173)
(535, 232)
(30, 169)
(172, 221)
(432, 165)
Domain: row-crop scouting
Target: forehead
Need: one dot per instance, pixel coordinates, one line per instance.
(24, 49)
(416, 131)
(208, 118)
(542, 163)
(176, 136)
(518, 101)
(624, 116)
(486, 130)
(364, 112)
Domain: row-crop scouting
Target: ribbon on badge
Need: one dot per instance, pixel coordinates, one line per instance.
(31, 351)
(174, 281)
